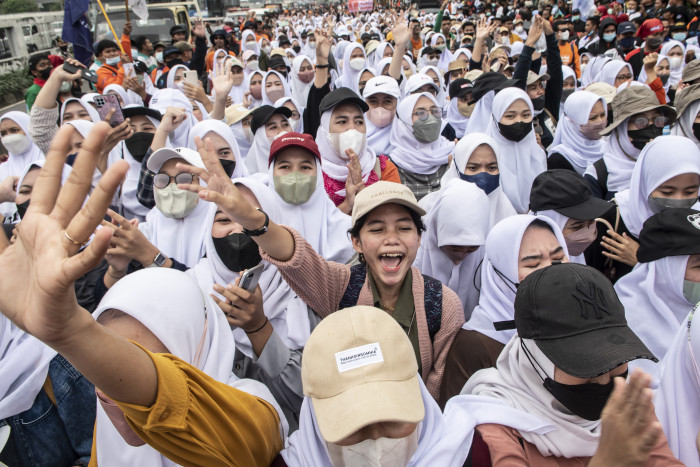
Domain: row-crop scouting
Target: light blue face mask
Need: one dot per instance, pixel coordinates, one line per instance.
(609, 37)
(691, 291)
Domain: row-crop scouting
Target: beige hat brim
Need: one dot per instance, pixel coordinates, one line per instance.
(668, 110)
(383, 401)
(381, 201)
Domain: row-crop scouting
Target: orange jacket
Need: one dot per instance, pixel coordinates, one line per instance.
(107, 74)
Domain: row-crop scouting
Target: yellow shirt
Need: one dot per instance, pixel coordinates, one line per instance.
(197, 420)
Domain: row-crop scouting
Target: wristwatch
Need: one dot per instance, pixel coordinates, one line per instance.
(159, 261)
(261, 230)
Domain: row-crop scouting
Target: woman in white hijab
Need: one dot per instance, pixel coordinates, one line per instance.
(420, 153)
(77, 109)
(289, 316)
(21, 150)
(383, 50)
(354, 60)
(590, 74)
(675, 51)
(663, 72)
(237, 93)
(439, 79)
(176, 77)
(224, 143)
(169, 308)
(615, 72)
(515, 247)
(687, 103)
(275, 124)
(295, 121)
(476, 160)
(451, 248)
(274, 87)
(302, 77)
(577, 141)
(255, 87)
(511, 127)
(676, 399)
(249, 42)
(127, 96)
(438, 41)
(82, 129)
(165, 98)
(662, 287)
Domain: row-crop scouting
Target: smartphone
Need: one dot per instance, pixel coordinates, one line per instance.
(250, 278)
(105, 104)
(86, 74)
(129, 70)
(191, 77)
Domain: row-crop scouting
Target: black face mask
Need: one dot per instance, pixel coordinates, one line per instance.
(565, 93)
(585, 400)
(22, 208)
(229, 166)
(296, 48)
(64, 48)
(641, 137)
(654, 42)
(237, 251)
(538, 104)
(176, 61)
(138, 144)
(515, 131)
(45, 73)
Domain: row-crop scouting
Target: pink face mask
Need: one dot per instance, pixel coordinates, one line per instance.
(116, 416)
(380, 116)
(256, 91)
(306, 77)
(578, 241)
(275, 93)
(592, 130)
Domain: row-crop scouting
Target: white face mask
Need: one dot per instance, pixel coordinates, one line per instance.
(312, 45)
(272, 138)
(563, 36)
(382, 452)
(294, 122)
(114, 61)
(350, 139)
(674, 62)
(174, 202)
(250, 45)
(134, 54)
(519, 29)
(16, 144)
(159, 57)
(267, 49)
(253, 66)
(430, 61)
(357, 63)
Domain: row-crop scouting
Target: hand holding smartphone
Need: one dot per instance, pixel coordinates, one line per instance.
(107, 103)
(251, 277)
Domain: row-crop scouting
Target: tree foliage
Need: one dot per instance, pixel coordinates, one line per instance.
(18, 6)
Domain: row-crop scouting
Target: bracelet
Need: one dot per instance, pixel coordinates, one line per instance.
(113, 276)
(322, 66)
(261, 230)
(260, 328)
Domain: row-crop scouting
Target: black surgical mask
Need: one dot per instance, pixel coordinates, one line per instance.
(45, 73)
(664, 79)
(538, 103)
(22, 208)
(296, 48)
(654, 42)
(175, 61)
(237, 251)
(515, 131)
(229, 166)
(138, 144)
(585, 400)
(641, 137)
(565, 93)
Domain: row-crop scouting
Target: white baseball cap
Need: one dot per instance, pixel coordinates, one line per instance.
(383, 85)
(159, 157)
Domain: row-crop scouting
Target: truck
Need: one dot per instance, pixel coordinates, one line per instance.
(26, 33)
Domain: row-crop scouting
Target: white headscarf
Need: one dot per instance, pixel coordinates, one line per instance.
(498, 290)
(321, 224)
(516, 382)
(300, 90)
(662, 159)
(348, 76)
(244, 39)
(442, 96)
(568, 139)
(676, 400)
(481, 116)
(334, 164)
(643, 75)
(84, 128)
(165, 98)
(590, 74)
(611, 69)
(286, 312)
(460, 216)
(655, 305)
(620, 157)
(190, 326)
(456, 120)
(253, 101)
(409, 153)
(684, 124)
(218, 127)
(300, 108)
(170, 82)
(676, 73)
(128, 96)
(285, 85)
(525, 160)
(379, 54)
(237, 93)
(259, 153)
(16, 163)
(445, 56)
(94, 115)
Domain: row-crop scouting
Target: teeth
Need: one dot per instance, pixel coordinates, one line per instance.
(393, 255)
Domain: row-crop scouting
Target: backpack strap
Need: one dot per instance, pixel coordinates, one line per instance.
(601, 171)
(358, 274)
(433, 304)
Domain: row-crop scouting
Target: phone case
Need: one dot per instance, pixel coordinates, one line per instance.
(105, 104)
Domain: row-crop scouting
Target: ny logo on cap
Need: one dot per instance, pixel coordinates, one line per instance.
(589, 294)
(694, 219)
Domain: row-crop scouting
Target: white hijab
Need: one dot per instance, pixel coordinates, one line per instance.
(456, 119)
(84, 128)
(190, 326)
(94, 115)
(676, 400)
(202, 129)
(300, 90)
(244, 39)
(518, 384)
(655, 305)
(334, 164)
(676, 73)
(445, 56)
(568, 139)
(409, 153)
(460, 216)
(165, 98)
(285, 85)
(16, 163)
(620, 157)
(253, 101)
(497, 293)
(662, 159)
(286, 312)
(259, 154)
(236, 93)
(348, 76)
(684, 124)
(611, 69)
(481, 116)
(128, 96)
(525, 160)
(299, 128)
(321, 224)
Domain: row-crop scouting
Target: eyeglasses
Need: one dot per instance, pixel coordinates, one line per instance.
(423, 114)
(643, 122)
(162, 180)
(622, 78)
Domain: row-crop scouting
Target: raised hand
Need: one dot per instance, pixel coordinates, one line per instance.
(484, 29)
(323, 43)
(400, 32)
(354, 183)
(39, 269)
(536, 30)
(223, 82)
(199, 30)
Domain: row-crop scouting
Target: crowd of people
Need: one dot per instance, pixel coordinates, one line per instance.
(385, 238)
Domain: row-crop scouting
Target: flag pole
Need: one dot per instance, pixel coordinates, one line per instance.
(119, 43)
(126, 4)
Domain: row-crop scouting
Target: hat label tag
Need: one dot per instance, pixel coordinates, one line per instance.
(357, 357)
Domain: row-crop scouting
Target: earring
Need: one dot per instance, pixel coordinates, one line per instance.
(362, 258)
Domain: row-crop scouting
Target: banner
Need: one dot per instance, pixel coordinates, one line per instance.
(360, 5)
(76, 30)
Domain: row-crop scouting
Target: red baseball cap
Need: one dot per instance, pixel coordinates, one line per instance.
(650, 26)
(298, 140)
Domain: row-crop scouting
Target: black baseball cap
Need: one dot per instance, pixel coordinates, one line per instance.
(129, 112)
(672, 232)
(263, 113)
(567, 193)
(178, 28)
(626, 27)
(491, 81)
(574, 316)
(429, 50)
(169, 50)
(342, 96)
(460, 88)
